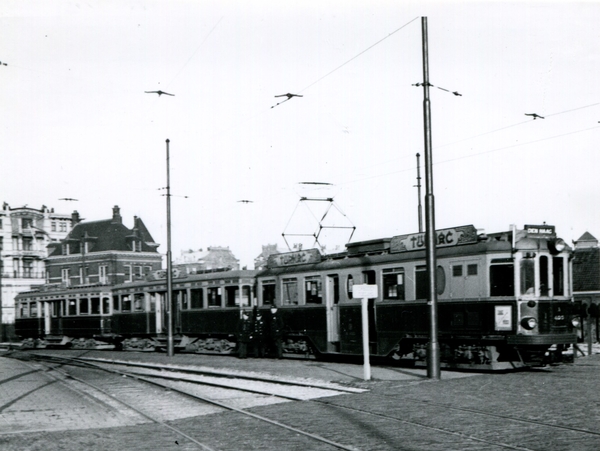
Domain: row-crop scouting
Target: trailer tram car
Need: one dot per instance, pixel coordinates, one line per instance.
(205, 317)
(503, 299)
(56, 316)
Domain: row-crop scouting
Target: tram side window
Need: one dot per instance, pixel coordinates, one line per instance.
(268, 292)
(527, 276)
(116, 306)
(33, 310)
(314, 290)
(290, 292)
(106, 306)
(231, 296)
(24, 310)
(393, 284)
(502, 279)
(138, 302)
(95, 304)
(197, 301)
(183, 297)
(72, 307)
(350, 286)
(84, 307)
(126, 304)
(421, 286)
(558, 275)
(214, 297)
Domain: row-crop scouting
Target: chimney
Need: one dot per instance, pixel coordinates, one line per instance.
(117, 215)
(75, 218)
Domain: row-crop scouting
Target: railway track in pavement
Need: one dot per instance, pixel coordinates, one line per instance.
(463, 426)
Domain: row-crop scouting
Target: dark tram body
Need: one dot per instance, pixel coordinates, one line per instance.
(503, 301)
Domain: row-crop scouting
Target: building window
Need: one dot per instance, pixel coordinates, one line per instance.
(26, 223)
(27, 244)
(27, 269)
(63, 226)
(393, 284)
(53, 226)
(66, 276)
(103, 270)
(128, 275)
(314, 290)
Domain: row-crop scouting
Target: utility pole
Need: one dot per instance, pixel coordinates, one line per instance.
(170, 313)
(420, 208)
(433, 351)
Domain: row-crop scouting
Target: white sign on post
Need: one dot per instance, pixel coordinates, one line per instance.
(365, 292)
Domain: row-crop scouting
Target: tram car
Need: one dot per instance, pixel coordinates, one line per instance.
(56, 316)
(503, 299)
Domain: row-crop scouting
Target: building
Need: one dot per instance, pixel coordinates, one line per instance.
(214, 258)
(25, 233)
(586, 283)
(260, 262)
(103, 252)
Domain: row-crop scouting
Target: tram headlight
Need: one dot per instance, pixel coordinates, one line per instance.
(529, 323)
(576, 321)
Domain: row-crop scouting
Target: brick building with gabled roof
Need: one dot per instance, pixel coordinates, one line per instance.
(103, 252)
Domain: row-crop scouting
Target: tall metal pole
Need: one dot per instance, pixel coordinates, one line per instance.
(433, 351)
(170, 315)
(420, 207)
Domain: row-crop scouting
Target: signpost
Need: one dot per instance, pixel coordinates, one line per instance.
(365, 292)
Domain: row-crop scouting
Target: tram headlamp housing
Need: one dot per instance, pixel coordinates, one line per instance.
(529, 323)
(557, 246)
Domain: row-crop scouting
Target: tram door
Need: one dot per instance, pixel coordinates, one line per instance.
(465, 282)
(53, 321)
(333, 313)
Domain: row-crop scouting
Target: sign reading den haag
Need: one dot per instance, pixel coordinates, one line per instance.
(444, 238)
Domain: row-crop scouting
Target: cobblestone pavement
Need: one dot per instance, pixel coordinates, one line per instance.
(463, 411)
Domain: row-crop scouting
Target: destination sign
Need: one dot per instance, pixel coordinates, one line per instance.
(540, 230)
(294, 258)
(443, 238)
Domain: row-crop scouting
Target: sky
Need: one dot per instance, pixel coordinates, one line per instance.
(75, 121)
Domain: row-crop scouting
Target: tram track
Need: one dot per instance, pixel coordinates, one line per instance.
(149, 379)
(150, 373)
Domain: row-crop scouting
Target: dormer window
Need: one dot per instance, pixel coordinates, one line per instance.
(65, 249)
